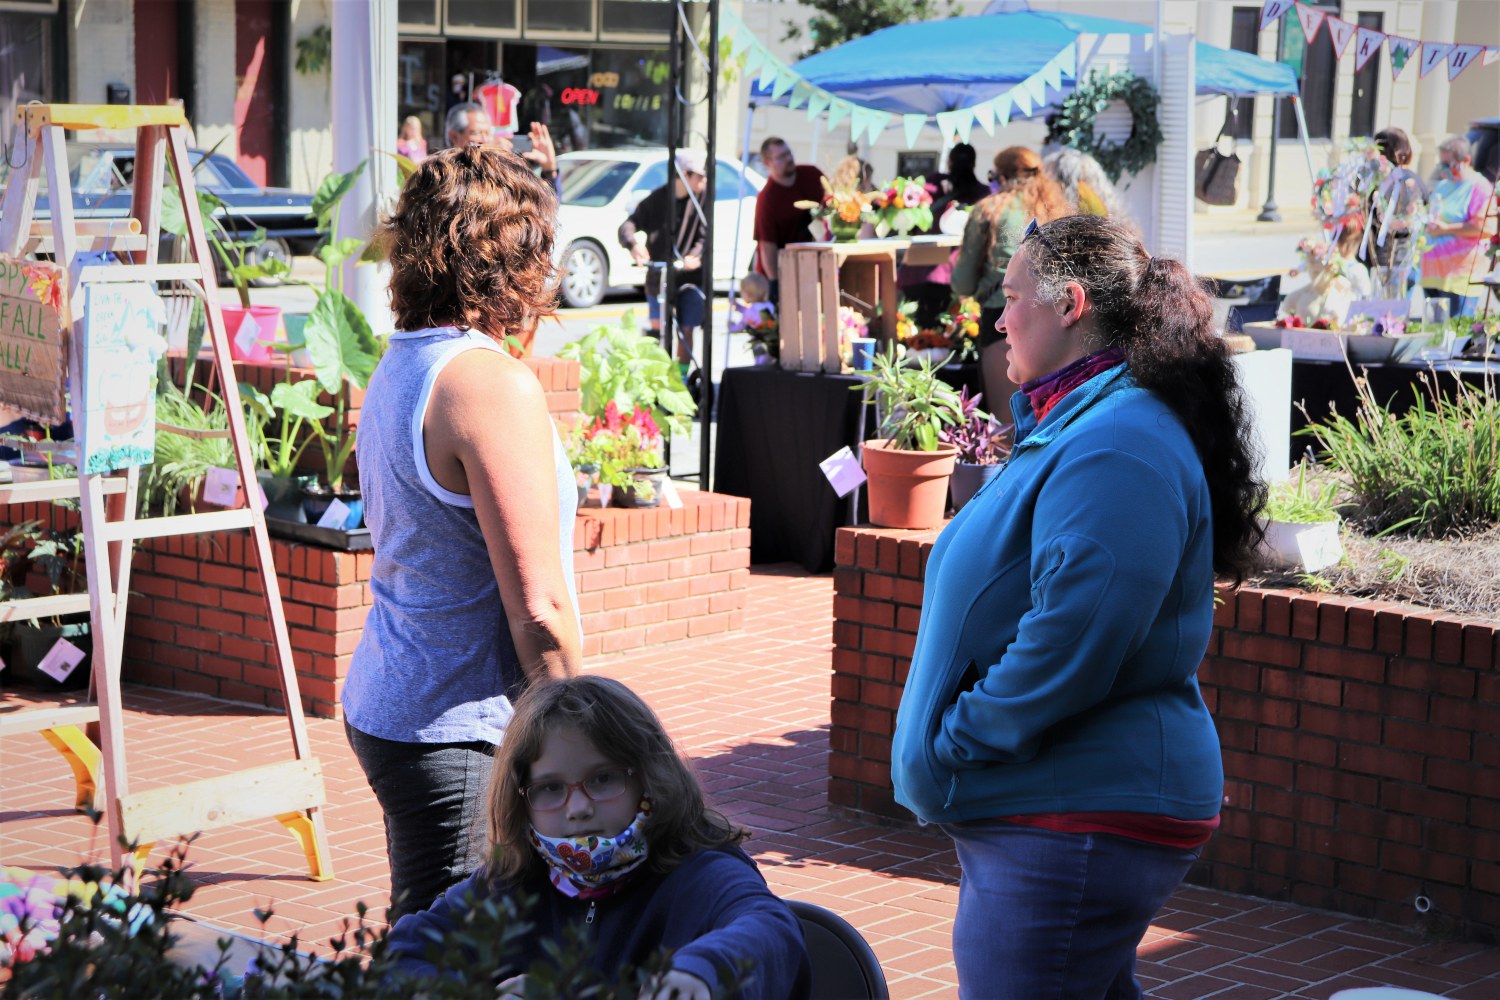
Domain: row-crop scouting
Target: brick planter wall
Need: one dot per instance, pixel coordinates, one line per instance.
(1359, 737)
(198, 618)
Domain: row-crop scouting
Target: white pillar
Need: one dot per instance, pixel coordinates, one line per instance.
(364, 122)
(1439, 23)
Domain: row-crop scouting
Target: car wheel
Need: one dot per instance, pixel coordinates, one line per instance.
(585, 275)
(274, 248)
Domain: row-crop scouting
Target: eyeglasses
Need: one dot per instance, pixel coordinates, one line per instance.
(601, 786)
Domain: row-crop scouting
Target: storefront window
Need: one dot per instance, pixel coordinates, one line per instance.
(418, 15)
(483, 15)
(635, 17)
(569, 17)
(422, 87)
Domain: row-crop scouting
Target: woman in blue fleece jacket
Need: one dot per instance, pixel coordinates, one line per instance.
(594, 814)
(1052, 721)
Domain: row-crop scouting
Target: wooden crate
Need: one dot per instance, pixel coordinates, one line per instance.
(815, 279)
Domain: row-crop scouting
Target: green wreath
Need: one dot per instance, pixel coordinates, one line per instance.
(1073, 125)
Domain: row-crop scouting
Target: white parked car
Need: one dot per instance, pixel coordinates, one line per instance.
(600, 188)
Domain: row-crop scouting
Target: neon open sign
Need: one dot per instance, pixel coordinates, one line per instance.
(580, 95)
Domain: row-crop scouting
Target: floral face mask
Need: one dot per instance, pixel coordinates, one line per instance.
(591, 867)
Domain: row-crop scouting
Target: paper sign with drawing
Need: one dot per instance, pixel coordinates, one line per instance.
(124, 341)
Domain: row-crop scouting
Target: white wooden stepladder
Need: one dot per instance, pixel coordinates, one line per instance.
(291, 790)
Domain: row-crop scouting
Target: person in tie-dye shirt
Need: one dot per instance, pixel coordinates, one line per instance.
(1457, 230)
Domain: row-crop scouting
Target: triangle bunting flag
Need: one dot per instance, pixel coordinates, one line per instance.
(755, 58)
(959, 122)
(1491, 54)
(1001, 105)
(1369, 43)
(785, 81)
(1401, 53)
(984, 116)
(1067, 60)
(1432, 54)
(877, 123)
(1312, 20)
(913, 125)
(1340, 31)
(1460, 58)
(1052, 72)
(1035, 89)
(801, 91)
(818, 102)
(838, 110)
(1021, 100)
(1272, 10)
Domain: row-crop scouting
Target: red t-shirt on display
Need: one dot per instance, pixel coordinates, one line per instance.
(777, 219)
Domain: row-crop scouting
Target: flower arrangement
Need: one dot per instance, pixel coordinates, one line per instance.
(904, 205)
(1340, 193)
(846, 209)
(765, 335)
(618, 444)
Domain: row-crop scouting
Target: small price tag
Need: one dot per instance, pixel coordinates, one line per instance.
(843, 471)
(61, 660)
(220, 486)
(670, 495)
(335, 516)
(247, 335)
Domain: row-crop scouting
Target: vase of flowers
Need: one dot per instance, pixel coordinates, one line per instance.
(845, 209)
(904, 205)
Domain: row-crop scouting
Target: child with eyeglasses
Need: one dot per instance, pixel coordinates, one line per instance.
(593, 811)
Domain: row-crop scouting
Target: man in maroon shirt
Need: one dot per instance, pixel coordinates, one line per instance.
(777, 219)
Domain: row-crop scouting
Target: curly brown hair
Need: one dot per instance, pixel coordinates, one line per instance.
(470, 244)
(1019, 171)
(624, 729)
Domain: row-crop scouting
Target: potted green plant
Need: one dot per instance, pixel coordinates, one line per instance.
(980, 441)
(1301, 520)
(618, 365)
(57, 556)
(908, 464)
(190, 439)
(281, 423)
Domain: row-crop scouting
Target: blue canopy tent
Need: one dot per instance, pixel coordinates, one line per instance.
(933, 66)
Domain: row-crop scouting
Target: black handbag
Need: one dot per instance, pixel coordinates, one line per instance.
(1215, 173)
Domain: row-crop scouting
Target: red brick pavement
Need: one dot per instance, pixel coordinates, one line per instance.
(751, 708)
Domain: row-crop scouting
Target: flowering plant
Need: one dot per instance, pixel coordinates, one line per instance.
(1292, 321)
(764, 330)
(1319, 255)
(852, 325)
(904, 205)
(844, 208)
(617, 444)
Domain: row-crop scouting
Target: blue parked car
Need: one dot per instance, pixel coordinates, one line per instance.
(103, 173)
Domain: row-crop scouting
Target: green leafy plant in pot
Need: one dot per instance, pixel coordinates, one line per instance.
(627, 451)
(909, 465)
(1301, 520)
(981, 444)
(58, 557)
(282, 422)
(343, 350)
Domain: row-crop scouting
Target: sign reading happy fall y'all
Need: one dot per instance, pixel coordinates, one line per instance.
(34, 338)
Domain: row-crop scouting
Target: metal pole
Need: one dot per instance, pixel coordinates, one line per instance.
(706, 379)
(674, 130)
(1268, 211)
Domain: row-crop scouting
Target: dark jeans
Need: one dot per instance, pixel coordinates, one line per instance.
(1045, 915)
(432, 796)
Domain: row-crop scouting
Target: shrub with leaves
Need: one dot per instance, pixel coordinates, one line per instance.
(106, 942)
(1431, 472)
(618, 364)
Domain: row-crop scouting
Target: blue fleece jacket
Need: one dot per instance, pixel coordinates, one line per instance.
(712, 911)
(1067, 609)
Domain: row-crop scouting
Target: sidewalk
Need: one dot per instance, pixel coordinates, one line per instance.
(751, 709)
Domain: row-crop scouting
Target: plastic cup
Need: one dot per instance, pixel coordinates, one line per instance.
(862, 353)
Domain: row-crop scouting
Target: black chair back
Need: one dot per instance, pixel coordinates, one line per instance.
(843, 966)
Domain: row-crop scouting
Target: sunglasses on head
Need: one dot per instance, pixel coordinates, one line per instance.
(1034, 228)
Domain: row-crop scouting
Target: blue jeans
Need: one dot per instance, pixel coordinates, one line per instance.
(1043, 914)
(690, 301)
(432, 797)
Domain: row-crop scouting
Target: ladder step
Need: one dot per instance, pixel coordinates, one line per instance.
(53, 489)
(124, 226)
(28, 608)
(87, 116)
(253, 793)
(100, 273)
(180, 524)
(42, 717)
(87, 244)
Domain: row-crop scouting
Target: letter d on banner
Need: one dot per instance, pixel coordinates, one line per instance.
(1272, 11)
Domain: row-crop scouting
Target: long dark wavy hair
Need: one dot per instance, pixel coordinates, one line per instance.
(1161, 316)
(470, 244)
(623, 728)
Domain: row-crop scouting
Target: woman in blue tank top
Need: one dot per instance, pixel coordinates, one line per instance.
(470, 504)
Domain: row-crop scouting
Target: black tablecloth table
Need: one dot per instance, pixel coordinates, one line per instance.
(774, 428)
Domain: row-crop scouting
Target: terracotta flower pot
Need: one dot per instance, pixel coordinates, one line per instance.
(908, 489)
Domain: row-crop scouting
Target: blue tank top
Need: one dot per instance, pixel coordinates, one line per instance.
(436, 663)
